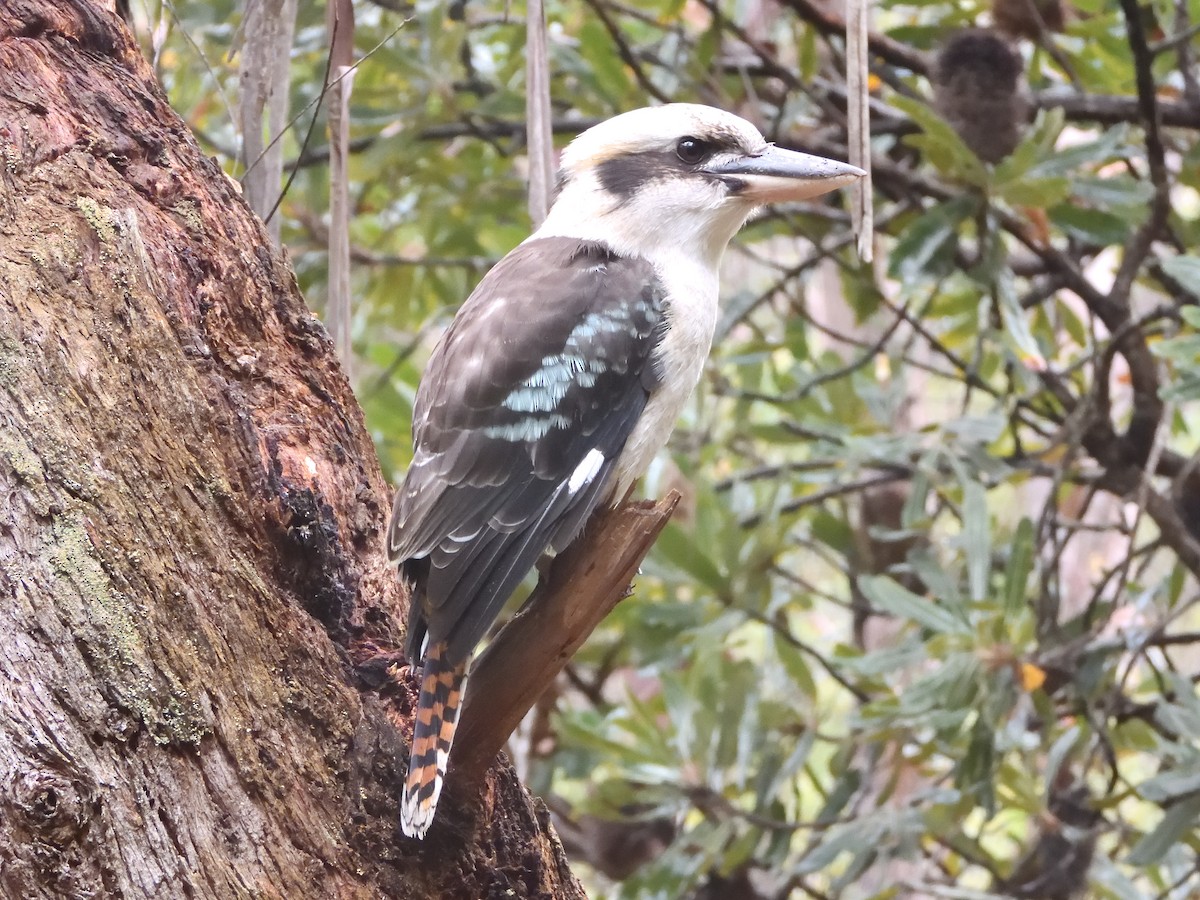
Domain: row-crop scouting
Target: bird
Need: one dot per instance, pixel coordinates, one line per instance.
(561, 376)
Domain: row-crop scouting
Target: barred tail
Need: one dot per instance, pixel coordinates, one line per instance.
(433, 733)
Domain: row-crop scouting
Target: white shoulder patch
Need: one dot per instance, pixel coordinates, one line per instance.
(585, 471)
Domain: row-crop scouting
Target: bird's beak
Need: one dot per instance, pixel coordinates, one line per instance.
(776, 175)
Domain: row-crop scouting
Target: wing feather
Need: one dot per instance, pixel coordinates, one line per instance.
(550, 359)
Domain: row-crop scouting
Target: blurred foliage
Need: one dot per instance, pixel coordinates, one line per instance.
(930, 624)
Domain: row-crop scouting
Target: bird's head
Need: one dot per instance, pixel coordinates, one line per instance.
(678, 178)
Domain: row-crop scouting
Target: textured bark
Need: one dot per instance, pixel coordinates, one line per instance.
(198, 694)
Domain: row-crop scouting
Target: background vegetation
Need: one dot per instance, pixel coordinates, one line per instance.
(929, 626)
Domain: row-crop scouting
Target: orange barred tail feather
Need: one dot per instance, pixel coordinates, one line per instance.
(433, 734)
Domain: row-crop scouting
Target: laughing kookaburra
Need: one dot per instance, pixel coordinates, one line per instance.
(562, 375)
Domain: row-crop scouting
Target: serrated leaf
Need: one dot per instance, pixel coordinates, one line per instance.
(896, 599)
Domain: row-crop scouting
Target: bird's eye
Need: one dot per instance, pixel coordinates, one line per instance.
(692, 150)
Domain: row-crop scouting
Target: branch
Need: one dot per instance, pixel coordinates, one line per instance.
(627, 54)
(1139, 244)
(485, 128)
(318, 231)
(1110, 110)
(1172, 529)
(1143, 368)
(584, 583)
(829, 493)
(1105, 110)
(891, 51)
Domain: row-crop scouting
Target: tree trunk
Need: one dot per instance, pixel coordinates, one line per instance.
(199, 696)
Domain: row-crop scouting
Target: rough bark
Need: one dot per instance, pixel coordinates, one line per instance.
(199, 696)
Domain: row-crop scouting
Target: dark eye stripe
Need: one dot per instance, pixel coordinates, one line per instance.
(626, 174)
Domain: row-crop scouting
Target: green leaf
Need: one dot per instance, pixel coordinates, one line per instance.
(1060, 750)
(843, 791)
(790, 766)
(1179, 819)
(981, 429)
(1020, 564)
(677, 546)
(836, 842)
(832, 530)
(977, 539)
(1174, 783)
(896, 599)
(1184, 349)
(1104, 193)
(1183, 352)
(1186, 270)
(1016, 322)
(1110, 145)
(795, 665)
(1182, 716)
(927, 236)
(940, 143)
(1107, 875)
(1186, 388)
(1040, 193)
(1095, 226)
(975, 771)
(1019, 166)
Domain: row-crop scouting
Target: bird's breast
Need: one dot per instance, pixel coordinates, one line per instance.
(691, 313)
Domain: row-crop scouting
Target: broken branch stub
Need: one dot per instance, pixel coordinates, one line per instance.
(583, 585)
